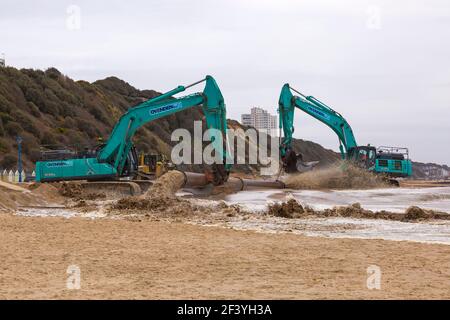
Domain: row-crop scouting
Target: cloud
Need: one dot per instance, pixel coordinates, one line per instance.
(390, 81)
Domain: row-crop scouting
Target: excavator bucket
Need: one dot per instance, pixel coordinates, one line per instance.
(306, 166)
(293, 163)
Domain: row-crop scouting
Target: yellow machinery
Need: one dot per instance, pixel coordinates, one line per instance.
(152, 164)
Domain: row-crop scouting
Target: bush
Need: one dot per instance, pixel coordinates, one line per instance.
(53, 73)
(61, 130)
(52, 103)
(48, 138)
(25, 122)
(9, 161)
(88, 127)
(35, 96)
(34, 155)
(29, 142)
(34, 74)
(5, 117)
(66, 110)
(98, 114)
(68, 122)
(4, 146)
(5, 105)
(34, 110)
(13, 128)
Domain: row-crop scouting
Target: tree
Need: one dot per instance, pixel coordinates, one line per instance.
(52, 73)
(48, 138)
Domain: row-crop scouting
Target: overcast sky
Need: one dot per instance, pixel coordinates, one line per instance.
(384, 65)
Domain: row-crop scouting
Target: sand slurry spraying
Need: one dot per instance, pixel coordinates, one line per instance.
(160, 202)
(339, 176)
(160, 198)
(166, 185)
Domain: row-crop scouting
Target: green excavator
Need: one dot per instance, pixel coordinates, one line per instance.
(117, 158)
(392, 162)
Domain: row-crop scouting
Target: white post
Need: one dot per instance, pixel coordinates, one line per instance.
(10, 176)
(16, 176)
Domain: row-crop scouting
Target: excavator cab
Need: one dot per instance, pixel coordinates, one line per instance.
(363, 156)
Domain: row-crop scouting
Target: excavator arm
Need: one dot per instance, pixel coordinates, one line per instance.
(112, 157)
(317, 109)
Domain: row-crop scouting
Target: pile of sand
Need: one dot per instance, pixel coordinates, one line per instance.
(8, 201)
(293, 209)
(11, 196)
(159, 204)
(341, 176)
(70, 190)
(11, 186)
(289, 209)
(46, 191)
(159, 198)
(416, 213)
(28, 195)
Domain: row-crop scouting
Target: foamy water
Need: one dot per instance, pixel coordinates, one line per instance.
(58, 212)
(429, 232)
(393, 199)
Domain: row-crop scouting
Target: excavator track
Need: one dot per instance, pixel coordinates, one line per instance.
(114, 188)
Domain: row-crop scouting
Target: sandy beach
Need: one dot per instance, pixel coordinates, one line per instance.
(120, 259)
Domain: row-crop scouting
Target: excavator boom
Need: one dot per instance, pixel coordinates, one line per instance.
(117, 158)
(317, 109)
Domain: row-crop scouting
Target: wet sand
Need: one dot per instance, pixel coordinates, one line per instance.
(157, 260)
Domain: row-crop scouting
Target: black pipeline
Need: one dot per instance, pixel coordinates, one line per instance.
(193, 179)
